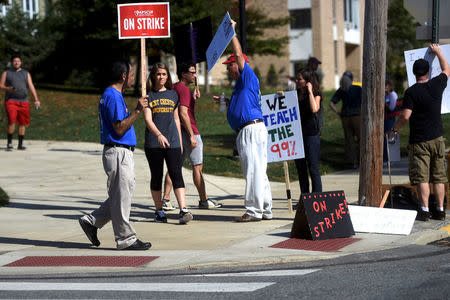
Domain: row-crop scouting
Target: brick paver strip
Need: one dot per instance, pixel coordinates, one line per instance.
(82, 261)
(330, 245)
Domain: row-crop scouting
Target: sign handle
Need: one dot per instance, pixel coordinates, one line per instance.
(288, 185)
(143, 69)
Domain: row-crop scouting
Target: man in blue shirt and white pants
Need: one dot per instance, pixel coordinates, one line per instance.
(245, 117)
(119, 139)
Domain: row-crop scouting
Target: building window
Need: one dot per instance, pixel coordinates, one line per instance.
(351, 14)
(31, 7)
(300, 18)
(4, 6)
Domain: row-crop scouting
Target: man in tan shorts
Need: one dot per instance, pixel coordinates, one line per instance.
(422, 107)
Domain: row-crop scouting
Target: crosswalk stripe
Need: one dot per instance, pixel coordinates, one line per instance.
(212, 287)
(270, 273)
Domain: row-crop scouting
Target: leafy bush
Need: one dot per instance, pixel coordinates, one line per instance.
(4, 198)
(272, 77)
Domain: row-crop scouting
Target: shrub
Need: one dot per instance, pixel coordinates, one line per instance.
(4, 198)
(272, 76)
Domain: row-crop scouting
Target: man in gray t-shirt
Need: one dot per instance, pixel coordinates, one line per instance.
(16, 81)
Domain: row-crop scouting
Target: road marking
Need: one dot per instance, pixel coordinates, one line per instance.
(212, 287)
(260, 273)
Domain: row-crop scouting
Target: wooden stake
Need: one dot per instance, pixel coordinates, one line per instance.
(383, 201)
(143, 69)
(288, 185)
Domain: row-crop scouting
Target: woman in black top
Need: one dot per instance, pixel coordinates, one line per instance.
(163, 141)
(310, 102)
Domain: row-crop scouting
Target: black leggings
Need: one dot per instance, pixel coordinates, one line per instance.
(155, 158)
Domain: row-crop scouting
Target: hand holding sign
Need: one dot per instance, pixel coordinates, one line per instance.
(429, 55)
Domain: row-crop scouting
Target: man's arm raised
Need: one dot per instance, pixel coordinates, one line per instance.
(237, 49)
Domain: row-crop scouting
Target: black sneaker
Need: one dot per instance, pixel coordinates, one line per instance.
(438, 215)
(423, 215)
(9, 147)
(21, 147)
(139, 245)
(160, 216)
(185, 216)
(90, 231)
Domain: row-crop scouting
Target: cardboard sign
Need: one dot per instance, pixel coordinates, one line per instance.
(220, 41)
(382, 220)
(192, 40)
(412, 55)
(282, 119)
(322, 216)
(143, 20)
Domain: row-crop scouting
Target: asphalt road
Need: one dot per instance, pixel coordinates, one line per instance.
(422, 272)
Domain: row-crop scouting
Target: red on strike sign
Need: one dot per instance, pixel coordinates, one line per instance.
(144, 20)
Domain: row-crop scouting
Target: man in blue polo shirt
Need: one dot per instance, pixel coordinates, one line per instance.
(119, 139)
(245, 117)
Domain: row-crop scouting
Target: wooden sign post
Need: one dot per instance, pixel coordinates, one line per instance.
(143, 69)
(141, 21)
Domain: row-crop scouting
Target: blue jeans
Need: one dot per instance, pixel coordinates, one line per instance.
(311, 163)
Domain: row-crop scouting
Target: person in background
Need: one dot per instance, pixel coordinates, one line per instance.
(313, 65)
(309, 101)
(426, 148)
(390, 100)
(119, 139)
(291, 86)
(16, 82)
(163, 141)
(192, 141)
(350, 114)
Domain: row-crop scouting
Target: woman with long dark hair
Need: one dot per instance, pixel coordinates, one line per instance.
(310, 102)
(163, 141)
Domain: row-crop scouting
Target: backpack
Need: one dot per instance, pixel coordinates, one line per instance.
(402, 197)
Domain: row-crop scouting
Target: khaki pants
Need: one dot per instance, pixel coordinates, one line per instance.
(352, 130)
(119, 167)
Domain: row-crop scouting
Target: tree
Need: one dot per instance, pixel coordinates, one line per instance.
(401, 36)
(26, 37)
(257, 41)
(272, 76)
(89, 31)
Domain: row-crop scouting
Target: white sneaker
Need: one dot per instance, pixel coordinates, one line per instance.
(167, 206)
(207, 204)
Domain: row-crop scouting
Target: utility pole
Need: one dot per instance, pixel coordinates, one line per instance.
(242, 27)
(435, 23)
(372, 106)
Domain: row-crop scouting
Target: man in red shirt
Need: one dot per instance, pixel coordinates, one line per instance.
(192, 142)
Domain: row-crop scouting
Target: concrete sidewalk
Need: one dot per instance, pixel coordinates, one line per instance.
(52, 184)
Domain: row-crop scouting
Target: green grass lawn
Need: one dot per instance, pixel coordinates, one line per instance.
(71, 116)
